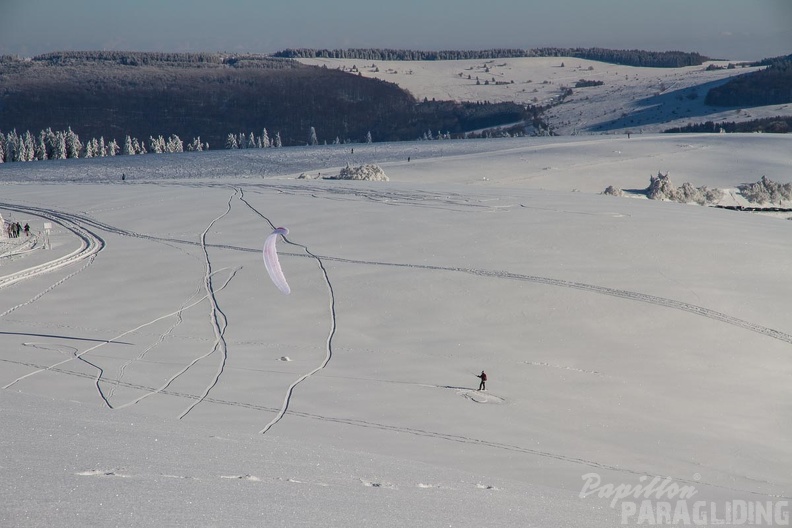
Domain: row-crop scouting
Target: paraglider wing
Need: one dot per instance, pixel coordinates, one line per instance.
(271, 260)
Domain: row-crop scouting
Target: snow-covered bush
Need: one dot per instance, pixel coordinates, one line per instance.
(687, 194)
(661, 188)
(613, 191)
(766, 190)
(362, 172)
(712, 195)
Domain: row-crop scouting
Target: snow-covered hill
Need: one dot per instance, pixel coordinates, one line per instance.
(625, 339)
(630, 98)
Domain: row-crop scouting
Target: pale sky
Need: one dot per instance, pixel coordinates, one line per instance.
(728, 29)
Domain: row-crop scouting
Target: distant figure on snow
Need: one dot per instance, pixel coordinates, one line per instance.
(27, 229)
(483, 378)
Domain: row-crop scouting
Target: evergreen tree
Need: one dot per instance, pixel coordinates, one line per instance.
(30, 146)
(102, 147)
(195, 145)
(12, 146)
(312, 140)
(157, 145)
(251, 141)
(59, 148)
(368, 137)
(2, 147)
(89, 149)
(113, 148)
(129, 149)
(265, 140)
(175, 144)
(231, 142)
(278, 142)
(73, 145)
(50, 139)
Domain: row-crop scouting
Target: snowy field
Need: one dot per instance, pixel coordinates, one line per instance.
(640, 100)
(153, 375)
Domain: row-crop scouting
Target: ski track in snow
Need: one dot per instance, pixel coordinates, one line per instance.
(162, 388)
(328, 344)
(161, 339)
(93, 244)
(90, 243)
(416, 432)
(405, 198)
(216, 315)
(49, 289)
(434, 200)
(98, 377)
(551, 365)
(592, 288)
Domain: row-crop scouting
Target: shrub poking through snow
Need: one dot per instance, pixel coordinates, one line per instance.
(661, 188)
(613, 191)
(361, 172)
(766, 190)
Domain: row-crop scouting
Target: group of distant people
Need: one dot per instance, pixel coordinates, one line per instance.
(14, 229)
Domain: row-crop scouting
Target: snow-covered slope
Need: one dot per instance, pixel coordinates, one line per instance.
(630, 98)
(624, 338)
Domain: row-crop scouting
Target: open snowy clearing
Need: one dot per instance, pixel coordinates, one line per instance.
(160, 379)
(640, 100)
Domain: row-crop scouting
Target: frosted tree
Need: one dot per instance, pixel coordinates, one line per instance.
(368, 137)
(73, 145)
(49, 141)
(265, 140)
(251, 141)
(59, 146)
(195, 145)
(129, 149)
(28, 147)
(89, 149)
(337, 141)
(2, 148)
(11, 146)
(312, 140)
(102, 147)
(113, 148)
(140, 147)
(175, 144)
(278, 143)
(231, 142)
(157, 145)
(241, 141)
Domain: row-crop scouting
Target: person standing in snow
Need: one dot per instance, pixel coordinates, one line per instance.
(27, 229)
(483, 378)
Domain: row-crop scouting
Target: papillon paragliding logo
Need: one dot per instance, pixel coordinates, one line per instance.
(271, 260)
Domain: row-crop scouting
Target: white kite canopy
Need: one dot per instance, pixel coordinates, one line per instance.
(271, 260)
